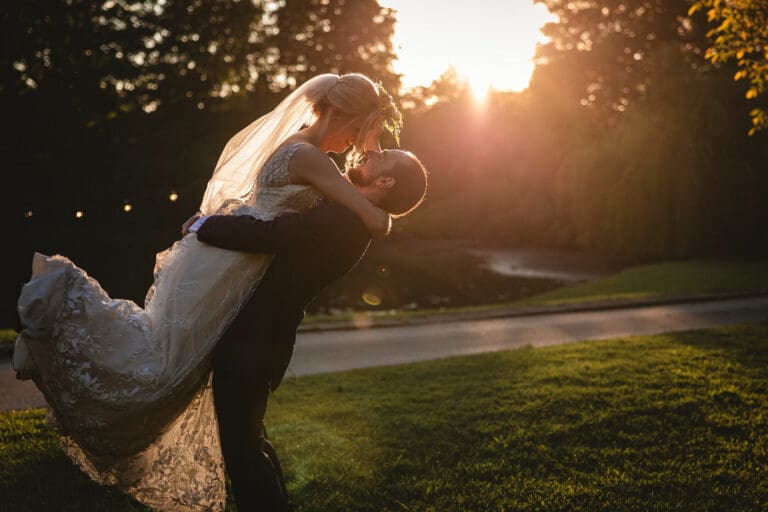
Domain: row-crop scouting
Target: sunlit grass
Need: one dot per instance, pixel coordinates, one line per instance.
(7, 337)
(668, 422)
(658, 281)
(664, 280)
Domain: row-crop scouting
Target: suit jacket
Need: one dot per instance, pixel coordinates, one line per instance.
(311, 250)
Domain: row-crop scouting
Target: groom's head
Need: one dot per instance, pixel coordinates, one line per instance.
(394, 180)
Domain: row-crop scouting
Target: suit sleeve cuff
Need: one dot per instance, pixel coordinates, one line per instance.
(198, 223)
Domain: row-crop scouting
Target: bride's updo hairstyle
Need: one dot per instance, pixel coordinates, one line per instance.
(357, 97)
(353, 94)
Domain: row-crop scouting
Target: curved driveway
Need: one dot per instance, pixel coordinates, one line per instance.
(330, 351)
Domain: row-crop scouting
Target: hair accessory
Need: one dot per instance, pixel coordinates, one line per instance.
(391, 118)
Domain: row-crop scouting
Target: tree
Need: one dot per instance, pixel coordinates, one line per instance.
(337, 36)
(94, 60)
(740, 33)
(599, 49)
(447, 87)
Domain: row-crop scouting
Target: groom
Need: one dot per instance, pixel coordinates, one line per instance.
(311, 250)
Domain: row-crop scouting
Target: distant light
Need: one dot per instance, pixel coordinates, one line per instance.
(504, 36)
(383, 271)
(173, 196)
(79, 214)
(28, 214)
(127, 207)
(372, 296)
(480, 90)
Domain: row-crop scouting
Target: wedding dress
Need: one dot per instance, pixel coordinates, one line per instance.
(129, 388)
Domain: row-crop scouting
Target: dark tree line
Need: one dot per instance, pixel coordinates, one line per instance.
(629, 141)
(121, 103)
(97, 59)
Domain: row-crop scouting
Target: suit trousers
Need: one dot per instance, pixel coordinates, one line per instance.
(254, 471)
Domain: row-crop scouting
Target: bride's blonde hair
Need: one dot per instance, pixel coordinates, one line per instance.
(356, 96)
(234, 178)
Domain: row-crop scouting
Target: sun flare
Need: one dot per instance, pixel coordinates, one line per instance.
(490, 43)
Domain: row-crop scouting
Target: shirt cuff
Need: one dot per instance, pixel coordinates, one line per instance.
(198, 223)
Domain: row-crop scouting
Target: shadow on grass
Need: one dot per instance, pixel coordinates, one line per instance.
(746, 345)
(37, 476)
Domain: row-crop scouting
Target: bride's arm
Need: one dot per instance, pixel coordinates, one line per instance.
(312, 166)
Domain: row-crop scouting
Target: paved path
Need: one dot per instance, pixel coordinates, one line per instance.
(329, 351)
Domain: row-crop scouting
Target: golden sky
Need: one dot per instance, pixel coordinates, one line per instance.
(489, 42)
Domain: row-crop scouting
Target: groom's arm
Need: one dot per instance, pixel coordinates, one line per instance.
(247, 234)
(285, 234)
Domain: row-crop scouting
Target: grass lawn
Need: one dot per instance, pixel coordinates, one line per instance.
(668, 422)
(662, 280)
(7, 338)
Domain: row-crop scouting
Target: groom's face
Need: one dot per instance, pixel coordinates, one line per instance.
(374, 164)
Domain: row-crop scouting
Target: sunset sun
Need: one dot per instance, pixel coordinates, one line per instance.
(490, 43)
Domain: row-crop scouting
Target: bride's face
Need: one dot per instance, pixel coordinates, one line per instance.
(342, 132)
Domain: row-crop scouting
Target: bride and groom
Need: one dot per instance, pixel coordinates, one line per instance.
(131, 389)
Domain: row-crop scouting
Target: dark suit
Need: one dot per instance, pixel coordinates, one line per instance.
(311, 250)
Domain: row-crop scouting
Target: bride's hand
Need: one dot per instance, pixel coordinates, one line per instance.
(186, 225)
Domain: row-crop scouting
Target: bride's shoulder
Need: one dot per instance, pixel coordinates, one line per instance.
(303, 150)
(308, 158)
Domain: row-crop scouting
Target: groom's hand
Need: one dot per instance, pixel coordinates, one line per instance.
(186, 225)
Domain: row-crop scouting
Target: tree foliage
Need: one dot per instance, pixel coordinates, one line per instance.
(101, 58)
(598, 50)
(339, 36)
(740, 34)
(446, 88)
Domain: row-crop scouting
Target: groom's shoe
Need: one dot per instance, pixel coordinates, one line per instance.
(261, 488)
(271, 454)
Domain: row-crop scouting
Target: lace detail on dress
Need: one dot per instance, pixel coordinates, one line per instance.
(129, 388)
(274, 181)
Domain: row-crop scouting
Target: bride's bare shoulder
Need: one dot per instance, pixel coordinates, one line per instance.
(309, 159)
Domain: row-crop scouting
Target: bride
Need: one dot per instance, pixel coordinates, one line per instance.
(129, 388)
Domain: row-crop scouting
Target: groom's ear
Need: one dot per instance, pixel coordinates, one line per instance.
(385, 182)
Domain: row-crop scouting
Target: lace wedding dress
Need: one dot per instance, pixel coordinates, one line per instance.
(129, 388)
